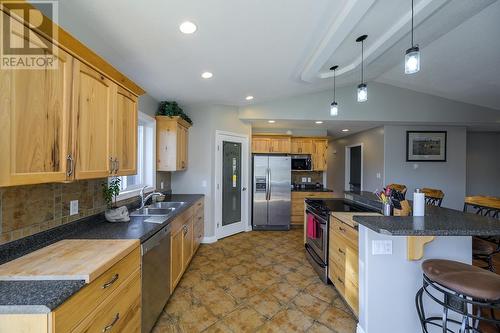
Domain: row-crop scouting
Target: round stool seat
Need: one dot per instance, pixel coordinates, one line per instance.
(480, 246)
(465, 279)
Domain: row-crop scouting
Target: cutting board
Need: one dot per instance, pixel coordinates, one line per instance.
(346, 217)
(72, 259)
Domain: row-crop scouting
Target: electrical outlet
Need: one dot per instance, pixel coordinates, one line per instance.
(381, 247)
(304, 179)
(379, 175)
(73, 207)
(308, 179)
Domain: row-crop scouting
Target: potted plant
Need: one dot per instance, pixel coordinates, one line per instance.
(172, 109)
(110, 191)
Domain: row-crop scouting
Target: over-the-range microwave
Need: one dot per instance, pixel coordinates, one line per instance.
(301, 163)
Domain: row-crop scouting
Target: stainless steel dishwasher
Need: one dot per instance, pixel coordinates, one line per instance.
(155, 276)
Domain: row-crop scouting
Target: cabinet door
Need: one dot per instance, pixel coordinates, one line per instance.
(166, 144)
(280, 145)
(319, 155)
(301, 146)
(182, 145)
(35, 121)
(176, 262)
(187, 242)
(93, 95)
(125, 133)
(261, 145)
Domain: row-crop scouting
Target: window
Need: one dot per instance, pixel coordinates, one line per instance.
(146, 167)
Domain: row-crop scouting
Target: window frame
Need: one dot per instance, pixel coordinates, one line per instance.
(149, 122)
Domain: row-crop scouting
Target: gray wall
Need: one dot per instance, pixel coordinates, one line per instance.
(449, 176)
(373, 159)
(148, 105)
(200, 175)
(483, 163)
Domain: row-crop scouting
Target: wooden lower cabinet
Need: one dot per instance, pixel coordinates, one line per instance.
(112, 300)
(186, 235)
(343, 257)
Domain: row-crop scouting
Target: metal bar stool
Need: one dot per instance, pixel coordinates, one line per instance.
(469, 291)
(484, 248)
(433, 196)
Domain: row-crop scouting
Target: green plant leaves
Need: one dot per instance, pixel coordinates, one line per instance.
(172, 109)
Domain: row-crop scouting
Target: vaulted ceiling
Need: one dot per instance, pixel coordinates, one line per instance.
(279, 48)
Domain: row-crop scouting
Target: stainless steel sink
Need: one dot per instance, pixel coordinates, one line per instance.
(167, 205)
(151, 211)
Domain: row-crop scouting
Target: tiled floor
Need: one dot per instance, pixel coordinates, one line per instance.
(254, 282)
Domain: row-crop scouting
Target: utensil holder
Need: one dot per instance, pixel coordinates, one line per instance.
(387, 209)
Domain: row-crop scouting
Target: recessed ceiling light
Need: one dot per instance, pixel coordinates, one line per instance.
(249, 98)
(345, 130)
(206, 75)
(187, 27)
(271, 121)
(319, 122)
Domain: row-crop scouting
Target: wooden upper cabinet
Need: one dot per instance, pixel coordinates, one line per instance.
(94, 100)
(302, 146)
(271, 144)
(35, 121)
(320, 147)
(171, 143)
(125, 133)
(260, 145)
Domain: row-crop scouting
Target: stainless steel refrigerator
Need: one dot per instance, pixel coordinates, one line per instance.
(271, 192)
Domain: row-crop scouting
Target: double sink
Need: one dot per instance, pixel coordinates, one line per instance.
(159, 211)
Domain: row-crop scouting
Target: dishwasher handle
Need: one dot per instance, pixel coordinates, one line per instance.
(155, 240)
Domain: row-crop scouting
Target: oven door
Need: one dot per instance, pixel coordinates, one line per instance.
(317, 235)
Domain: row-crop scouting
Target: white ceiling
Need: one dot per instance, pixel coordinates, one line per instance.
(279, 48)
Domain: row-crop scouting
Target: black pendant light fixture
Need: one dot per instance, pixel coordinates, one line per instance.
(362, 88)
(412, 57)
(334, 107)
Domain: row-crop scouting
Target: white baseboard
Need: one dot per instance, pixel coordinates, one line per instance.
(359, 329)
(209, 240)
(249, 228)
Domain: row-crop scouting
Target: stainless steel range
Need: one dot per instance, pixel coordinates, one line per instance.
(317, 225)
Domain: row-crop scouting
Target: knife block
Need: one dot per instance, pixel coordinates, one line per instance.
(405, 209)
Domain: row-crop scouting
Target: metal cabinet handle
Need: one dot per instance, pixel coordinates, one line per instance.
(70, 160)
(340, 280)
(341, 251)
(111, 165)
(110, 282)
(342, 229)
(110, 326)
(185, 229)
(117, 165)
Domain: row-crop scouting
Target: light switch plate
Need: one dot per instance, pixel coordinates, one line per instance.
(308, 179)
(379, 175)
(381, 247)
(162, 186)
(73, 207)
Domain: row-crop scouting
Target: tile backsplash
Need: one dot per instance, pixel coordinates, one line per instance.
(27, 210)
(316, 176)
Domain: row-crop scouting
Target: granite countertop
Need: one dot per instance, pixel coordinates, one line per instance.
(44, 296)
(36, 296)
(321, 189)
(437, 221)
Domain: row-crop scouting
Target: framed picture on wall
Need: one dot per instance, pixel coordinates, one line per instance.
(426, 146)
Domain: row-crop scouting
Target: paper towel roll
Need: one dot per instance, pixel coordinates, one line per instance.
(418, 203)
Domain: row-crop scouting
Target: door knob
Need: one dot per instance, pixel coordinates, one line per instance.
(244, 189)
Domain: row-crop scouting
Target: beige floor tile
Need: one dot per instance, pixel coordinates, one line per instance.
(283, 291)
(196, 319)
(292, 320)
(318, 328)
(244, 319)
(310, 305)
(322, 291)
(339, 320)
(218, 327)
(266, 304)
(218, 302)
(243, 289)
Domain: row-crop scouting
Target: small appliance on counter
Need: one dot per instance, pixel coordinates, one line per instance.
(307, 186)
(301, 163)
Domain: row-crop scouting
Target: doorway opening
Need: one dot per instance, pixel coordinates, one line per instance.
(354, 167)
(231, 179)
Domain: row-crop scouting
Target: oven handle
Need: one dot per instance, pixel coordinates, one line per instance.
(314, 256)
(321, 220)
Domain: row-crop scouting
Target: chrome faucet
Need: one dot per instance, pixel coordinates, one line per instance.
(145, 199)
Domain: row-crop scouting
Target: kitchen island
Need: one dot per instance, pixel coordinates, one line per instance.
(391, 251)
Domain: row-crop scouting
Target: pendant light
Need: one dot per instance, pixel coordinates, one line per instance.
(362, 88)
(334, 107)
(412, 57)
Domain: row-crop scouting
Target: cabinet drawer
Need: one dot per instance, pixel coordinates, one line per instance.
(182, 219)
(348, 233)
(121, 312)
(337, 250)
(71, 312)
